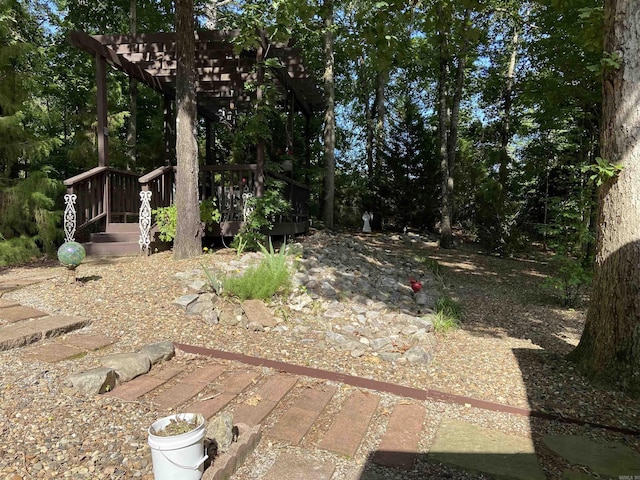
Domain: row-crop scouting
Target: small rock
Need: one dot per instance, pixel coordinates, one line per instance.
(335, 337)
(158, 352)
(127, 365)
(255, 327)
(220, 430)
(95, 381)
(185, 300)
(210, 318)
(379, 343)
(389, 356)
(418, 355)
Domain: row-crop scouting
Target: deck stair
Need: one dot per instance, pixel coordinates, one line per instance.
(118, 239)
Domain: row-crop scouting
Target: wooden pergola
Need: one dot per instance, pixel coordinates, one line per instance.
(222, 74)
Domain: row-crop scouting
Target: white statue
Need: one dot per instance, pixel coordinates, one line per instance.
(366, 218)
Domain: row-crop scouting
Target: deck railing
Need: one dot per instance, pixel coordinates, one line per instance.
(104, 193)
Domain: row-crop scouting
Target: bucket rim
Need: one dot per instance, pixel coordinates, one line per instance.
(177, 416)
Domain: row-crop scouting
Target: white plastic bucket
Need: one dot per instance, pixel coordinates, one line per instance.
(179, 456)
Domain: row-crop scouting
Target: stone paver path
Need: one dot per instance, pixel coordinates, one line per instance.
(252, 394)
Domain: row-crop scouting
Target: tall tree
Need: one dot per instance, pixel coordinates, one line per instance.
(329, 118)
(449, 98)
(610, 344)
(187, 242)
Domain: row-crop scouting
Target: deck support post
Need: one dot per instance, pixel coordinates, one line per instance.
(169, 131)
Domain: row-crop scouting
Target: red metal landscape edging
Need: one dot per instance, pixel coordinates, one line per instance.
(399, 390)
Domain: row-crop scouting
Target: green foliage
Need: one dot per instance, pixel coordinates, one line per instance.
(262, 282)
(431, 264)
(215, 285)
(570, 279)
(265, 211)
(28, 209)
(602, 171)
(167, 218)
(448, 314)
(18, 250)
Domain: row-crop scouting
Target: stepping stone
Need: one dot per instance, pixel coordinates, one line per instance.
(348, 429)
(604, 458)
(55, 352)
(7, 303)
(399, 445)
(228, 388)
(88, 341)
(30, 331)
(257, 312)
(142, 385)
(292, 467)
(18, 313)
(296, 422)
(488, 451)
(187, 387)
(257, 407)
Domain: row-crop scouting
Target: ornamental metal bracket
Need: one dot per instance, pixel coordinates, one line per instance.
(70, 217)
(145, 221)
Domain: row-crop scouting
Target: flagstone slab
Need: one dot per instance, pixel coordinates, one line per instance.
(55, 352)
(7, 303)
(257, 311)
(29, 331)
(604, 458)
(88, 341)
(19, 313)
(479, 449)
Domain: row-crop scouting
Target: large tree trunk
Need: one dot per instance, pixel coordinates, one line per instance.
(329, 118)
(610, 345)
(187, 242)
(446, 236)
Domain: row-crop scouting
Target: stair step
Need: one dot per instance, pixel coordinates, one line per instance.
(106, 237)
(112, 248)
(30, 331)
(123, 227)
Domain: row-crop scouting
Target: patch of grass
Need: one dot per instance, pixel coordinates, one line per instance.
(430, 264)
(270, 277)
(448, 315)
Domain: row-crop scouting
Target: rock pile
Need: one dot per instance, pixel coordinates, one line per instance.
(353, 297)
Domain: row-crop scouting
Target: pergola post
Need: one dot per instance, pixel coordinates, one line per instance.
(102, 133)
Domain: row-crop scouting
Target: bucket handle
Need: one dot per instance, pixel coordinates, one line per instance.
(195, 467)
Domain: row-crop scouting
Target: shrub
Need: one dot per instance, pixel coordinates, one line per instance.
(448, 314)
(18, 250)
(570, 281)
(271, 276)
(167, 218)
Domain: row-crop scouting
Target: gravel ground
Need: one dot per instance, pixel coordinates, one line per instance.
(510, 350)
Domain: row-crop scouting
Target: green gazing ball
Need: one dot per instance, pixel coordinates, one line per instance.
(71, 254)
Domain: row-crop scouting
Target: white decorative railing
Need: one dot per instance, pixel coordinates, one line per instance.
(70, 217)
(145, 221)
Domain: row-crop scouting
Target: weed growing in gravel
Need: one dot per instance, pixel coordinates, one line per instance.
(430, 264)
(271, 276)
(448, 315)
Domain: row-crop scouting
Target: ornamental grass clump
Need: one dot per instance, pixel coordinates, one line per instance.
(270, 277)
(448, 315)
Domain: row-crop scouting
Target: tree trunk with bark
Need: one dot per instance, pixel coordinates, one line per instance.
(446, 236)
(329, 118)
(609, 349)
(187, 242)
